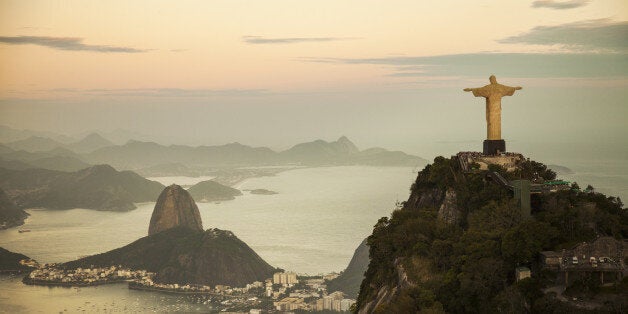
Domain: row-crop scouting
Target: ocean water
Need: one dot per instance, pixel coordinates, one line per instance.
(312, 225)
(16, 297)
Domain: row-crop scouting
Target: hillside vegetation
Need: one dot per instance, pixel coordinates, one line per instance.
(422, 262)
(182, 255)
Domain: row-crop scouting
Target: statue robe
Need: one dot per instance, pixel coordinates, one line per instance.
(493, 94)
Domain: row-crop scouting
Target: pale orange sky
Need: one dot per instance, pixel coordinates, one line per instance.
(210, 52)
(274, 73)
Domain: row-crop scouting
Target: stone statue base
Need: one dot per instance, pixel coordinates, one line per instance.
(494, 147)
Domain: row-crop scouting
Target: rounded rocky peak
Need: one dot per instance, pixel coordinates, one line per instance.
(175, 207)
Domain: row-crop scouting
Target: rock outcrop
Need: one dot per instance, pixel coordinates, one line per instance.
(387, 294)
(175, 207)
(178, 251)
(448, 210)
(428, 198)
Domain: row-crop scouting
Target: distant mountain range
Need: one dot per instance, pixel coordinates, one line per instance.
(144, 155)
(8, 134)
(88, 144)
(153, 159)
(99, 187)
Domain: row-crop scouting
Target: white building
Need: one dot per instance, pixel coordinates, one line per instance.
(287, 278)
(345, 304)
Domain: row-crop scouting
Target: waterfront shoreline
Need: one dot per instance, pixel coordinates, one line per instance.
(34, 282)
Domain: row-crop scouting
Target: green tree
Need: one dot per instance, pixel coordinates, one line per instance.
(520, 244)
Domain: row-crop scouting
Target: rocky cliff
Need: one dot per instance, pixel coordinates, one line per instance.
(175, 207)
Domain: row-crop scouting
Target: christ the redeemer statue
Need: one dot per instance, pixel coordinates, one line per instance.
(493, 93)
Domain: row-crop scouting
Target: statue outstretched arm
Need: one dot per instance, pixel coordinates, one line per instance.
(478, 92)
(509, 91)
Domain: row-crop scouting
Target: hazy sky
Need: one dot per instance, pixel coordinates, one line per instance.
(385, 73)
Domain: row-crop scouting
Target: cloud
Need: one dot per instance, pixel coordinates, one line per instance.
(559, 5)
(533, 65)
(259, 40)
(408, 74)
(65, 43)
(156, 92)
(601, 34)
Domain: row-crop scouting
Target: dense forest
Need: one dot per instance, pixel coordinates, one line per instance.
(421, 263)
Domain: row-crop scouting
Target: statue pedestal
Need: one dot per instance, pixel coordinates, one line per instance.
(494, 147)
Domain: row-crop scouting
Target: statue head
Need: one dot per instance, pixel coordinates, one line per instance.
(492, 79)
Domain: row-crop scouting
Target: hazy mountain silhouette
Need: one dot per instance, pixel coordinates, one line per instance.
(8, 134)
(60, 159)
(35, 144)
(99, 187)
(144, 155)
(90, 143)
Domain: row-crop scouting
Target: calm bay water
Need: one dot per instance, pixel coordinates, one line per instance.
(15, 297)
(312, 226)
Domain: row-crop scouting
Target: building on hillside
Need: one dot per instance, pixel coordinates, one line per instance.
(345, 304)
(473, 161)
(522, 273)
(550, 260)
(290, 304)
(333, 301)
(521, 189)
(331, 276)
(603, 257)
(287, 278)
